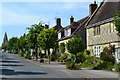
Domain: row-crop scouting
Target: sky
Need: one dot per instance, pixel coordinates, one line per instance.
(15, 17)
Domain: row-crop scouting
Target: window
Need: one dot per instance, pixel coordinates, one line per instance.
(59, 35)
(110, 28)
(68, 32)
(96, 51)
(118, 53)
(96, 30)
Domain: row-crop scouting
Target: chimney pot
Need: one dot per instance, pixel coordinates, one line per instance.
(92, 8)
(71, 19)
(58, 21)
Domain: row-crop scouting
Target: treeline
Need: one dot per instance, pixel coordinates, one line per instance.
(39, 37)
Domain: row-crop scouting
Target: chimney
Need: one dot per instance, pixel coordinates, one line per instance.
(71, 19)
(58, 21)
(46, 26)
(92, 8)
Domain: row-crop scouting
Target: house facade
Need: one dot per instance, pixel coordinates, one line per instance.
(101, 31)
(76, 28)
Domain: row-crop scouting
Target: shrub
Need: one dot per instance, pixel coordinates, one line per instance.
(104, 66)
(62, 47)
(80, 57)
(87, 52)
(90, 62)
(106, 55)
(71, 65)
(75, 45)
(27, 55)
(64, 56)
(21, 53)
(15, 51)
(117, 67)
(52, 57)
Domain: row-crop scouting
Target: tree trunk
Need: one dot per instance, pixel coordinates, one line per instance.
(36, 53)
(49, 55)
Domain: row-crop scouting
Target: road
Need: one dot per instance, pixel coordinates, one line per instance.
(12, 66)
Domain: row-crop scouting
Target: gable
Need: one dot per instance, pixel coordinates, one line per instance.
(105, 11)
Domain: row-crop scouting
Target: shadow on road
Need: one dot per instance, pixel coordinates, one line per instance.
(10, 61)
(12, 72)
(10, 65)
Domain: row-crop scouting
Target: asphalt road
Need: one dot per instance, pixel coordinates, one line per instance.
(12, 66)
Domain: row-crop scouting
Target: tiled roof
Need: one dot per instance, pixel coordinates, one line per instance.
(57, 27)
(77, 25)
(105, 11)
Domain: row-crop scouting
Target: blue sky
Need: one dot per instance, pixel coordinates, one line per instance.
(17, 16)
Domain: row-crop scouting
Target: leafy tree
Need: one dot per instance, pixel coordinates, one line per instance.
(62, 47)
(47, 39)
(117, 21)
(34, 30)
(75, 45)
(12, 45)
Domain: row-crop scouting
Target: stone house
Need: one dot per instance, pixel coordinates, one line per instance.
(101, 30)
(75, 28)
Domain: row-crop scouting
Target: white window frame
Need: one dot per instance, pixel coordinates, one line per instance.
(117, 53)
(68, 32)
(59, 35)
(97, 50)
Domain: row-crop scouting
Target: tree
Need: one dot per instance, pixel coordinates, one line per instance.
(62, 47)
(106, 55)
(47, 39)
(34, 30)
(75, 45)
(117, 21)
(12, 45)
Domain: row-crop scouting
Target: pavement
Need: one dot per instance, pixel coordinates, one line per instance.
(83, 73)
(24, 68)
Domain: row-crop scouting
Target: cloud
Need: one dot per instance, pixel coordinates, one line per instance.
(10, 18)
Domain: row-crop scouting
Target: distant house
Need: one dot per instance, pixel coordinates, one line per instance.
(76, 28)
(101, 30)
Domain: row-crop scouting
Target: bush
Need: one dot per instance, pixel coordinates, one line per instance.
(80, 57)
(90, 62)
(104, 66)
(52, 57)
(75, 45)
(62, 47)
(64, 56)
(27, 55)
(71, 65)
(87, 52)
(106, 55)
(15, 52)
(21, 53)
(117, 67)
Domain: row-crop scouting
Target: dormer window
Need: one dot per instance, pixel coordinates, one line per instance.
(68, 32)
(59, 35)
